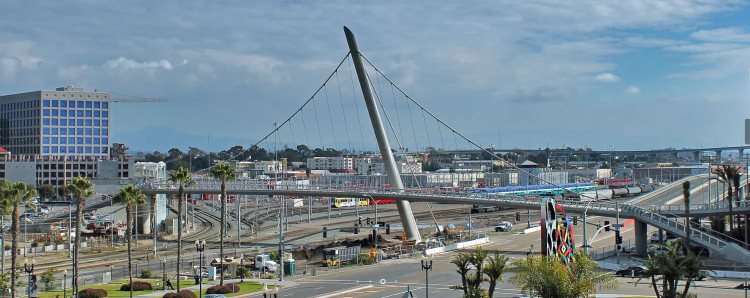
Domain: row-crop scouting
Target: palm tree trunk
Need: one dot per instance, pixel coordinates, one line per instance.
(180, 194)
(653, 284)
(77, 243)
(491, 289)
(687, 286)
(14, 251)
(731, 212)
(222, 229)
(128, 210)
(463, 282)
(152, 215)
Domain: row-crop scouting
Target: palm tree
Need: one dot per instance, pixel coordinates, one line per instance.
(721, 177)
(731, 172)
(494, 269)
(180, 176)
(81, 188)
(223, 172)
(549, 277)
(477, 259)
(131, 196)
(462, 261)
(671, 267)
(686, 196)
(11, 196)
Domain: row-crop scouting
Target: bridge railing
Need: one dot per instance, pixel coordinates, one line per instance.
(676, 226)
(723, 205)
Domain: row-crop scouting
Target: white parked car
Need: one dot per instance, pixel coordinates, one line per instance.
(504, 226)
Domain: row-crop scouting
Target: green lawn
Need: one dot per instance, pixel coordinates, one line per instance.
(247, 287)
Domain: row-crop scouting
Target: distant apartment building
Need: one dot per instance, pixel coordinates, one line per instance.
(374, 165)
(331, 163)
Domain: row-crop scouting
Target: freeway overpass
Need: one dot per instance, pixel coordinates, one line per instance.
(721, 245)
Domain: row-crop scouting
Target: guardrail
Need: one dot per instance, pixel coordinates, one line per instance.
(672, 225)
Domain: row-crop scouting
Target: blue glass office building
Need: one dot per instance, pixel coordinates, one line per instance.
(65, 122)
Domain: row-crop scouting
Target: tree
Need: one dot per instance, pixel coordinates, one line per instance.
(731, 171)
(47, 278)
(181, 177)
(12, 195)
(494, 269)
(670, 267)
(477, 259)
(223, 172)
(549, 277)
(462, 261)
(81, 188)
(46, 191)
(131, 196)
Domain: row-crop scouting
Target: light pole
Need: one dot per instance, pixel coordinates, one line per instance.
(164, 274)
(426, 267)
(200, 246)
(29, 268)
(65, 285)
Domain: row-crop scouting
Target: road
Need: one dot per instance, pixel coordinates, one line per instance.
(391, 278)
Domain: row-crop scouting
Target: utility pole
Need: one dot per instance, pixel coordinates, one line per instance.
(404, 208)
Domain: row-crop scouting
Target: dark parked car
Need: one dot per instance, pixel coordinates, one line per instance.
(636, 271)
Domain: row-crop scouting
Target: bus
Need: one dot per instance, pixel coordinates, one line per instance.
(348, 202)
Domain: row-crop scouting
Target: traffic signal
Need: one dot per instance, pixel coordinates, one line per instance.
(618, 238)
(575, 220)
(325, 232)
(518, 216)
(606, 225)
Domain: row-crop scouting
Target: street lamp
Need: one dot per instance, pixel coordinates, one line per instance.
(29, 268)
(65, 285)
(426, 267)
(200, 246)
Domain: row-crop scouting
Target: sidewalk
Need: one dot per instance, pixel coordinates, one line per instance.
(269, 282)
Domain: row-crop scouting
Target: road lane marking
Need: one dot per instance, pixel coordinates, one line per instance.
(337, 294)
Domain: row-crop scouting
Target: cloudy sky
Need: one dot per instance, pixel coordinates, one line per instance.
(633, 74)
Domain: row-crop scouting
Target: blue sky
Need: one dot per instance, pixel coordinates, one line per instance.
(633, 74)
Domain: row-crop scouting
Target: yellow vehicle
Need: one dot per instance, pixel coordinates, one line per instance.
(330, 263)
(348, 202)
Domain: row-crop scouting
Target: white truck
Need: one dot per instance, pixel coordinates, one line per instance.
(264, 262)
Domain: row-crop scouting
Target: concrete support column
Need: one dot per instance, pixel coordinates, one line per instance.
(641, 238)
(144, 217)
(696, 156)
(718, 156)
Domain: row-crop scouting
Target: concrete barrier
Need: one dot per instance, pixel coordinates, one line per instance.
(455, 246)
(729, 274)
(609, 266)
(533, 229)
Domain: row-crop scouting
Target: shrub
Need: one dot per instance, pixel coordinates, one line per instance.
(92, 293)
(225, 289)
(137, 286)
(180, 294)
(145, 273)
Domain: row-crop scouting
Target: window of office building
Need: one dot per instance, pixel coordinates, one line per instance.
(63, 103)
(46, 103)
(88, 104)
(79, 104)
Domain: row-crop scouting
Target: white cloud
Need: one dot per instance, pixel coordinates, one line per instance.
(256, 65)
(74, 72)
(728, 34)
(633, 90)
(607, 77)
(123, 63)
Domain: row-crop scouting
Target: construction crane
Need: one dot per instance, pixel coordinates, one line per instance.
(138, 100)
